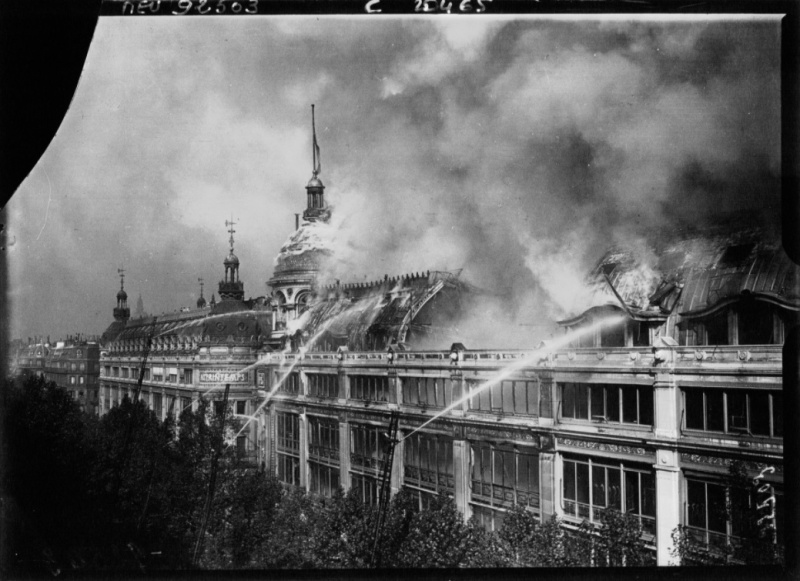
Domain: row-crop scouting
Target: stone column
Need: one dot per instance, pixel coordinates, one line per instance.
(344, 454)
(461, 474)
(668, 504)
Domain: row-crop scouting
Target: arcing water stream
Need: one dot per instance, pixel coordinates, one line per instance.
(533, 357)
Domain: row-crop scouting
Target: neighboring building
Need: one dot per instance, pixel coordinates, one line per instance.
(72, 364)
(189, 354)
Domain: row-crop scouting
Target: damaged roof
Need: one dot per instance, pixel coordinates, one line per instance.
(693, 275)
(386, 307)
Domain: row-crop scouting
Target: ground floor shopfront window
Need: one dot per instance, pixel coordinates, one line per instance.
(590, 485)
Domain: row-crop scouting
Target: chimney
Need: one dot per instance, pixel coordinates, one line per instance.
(297, 221)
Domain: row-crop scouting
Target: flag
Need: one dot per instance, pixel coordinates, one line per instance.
(317, 162)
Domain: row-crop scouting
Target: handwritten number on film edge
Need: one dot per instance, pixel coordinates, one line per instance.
(220, 7)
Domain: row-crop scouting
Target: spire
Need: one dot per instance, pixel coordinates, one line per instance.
(316, 208)
(122, 312)
(230, 226)
(201, 302)
(231, 287)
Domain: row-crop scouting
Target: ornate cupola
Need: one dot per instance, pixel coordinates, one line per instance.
(231, 288)
(201, 302)
(316, 208)
(122, 312)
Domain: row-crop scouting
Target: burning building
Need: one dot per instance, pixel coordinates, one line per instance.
(666, 372)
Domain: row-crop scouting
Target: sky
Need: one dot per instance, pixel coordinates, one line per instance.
(516, 149)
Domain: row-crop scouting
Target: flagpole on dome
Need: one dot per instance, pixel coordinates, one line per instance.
(315, 146)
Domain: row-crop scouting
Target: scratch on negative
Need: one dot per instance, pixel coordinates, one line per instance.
(49, 198)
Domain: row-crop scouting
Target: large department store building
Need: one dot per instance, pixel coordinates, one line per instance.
(645, 415)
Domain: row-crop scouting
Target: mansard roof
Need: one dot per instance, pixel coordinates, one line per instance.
(693, 274)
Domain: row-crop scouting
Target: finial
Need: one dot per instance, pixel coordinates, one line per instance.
(231, 230)
(200, 280)
(121, 272)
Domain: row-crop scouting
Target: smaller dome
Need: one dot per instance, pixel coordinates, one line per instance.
(122, 296)
(315, 182)
(231, 259)
(201, 302)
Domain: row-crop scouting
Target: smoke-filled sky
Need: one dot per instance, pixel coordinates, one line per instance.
(515, 149)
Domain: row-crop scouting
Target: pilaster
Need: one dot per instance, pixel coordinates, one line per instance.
(303, 425)
(344, 455)
(666, 396)
(461, 475)
(668, 504)
(548, 490)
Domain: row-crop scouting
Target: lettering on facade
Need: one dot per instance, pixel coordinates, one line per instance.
(221, 376)
(725, 462)
(503, 435)
(589, 445)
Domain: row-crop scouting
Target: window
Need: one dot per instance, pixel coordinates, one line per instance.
(323, 439)
(366, 488)
(125, 371)
(367, 450)
(323, 455)
(72, 380)
(716, 328)
(427, 391)
(629, 404)
(371, 388)
(512, 397)
(81, 380)
(186, 404)
(158, 374)
(428, 462)
(503, 476)
(146, 374)
(187, 376)
(240, 407)
(172, 376)
(115, 371)
(82, 366)
(73, 367)
(157, 405)
(323, 385)
(612, 335)
(590, 485)
(755, 324)
(291, 383)
(735, 411)
(241, 445)
(715, 512)
(288, 448)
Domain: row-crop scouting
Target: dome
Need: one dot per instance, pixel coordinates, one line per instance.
(315, 182)
(231, 259)
(122, 296)
(201, 302)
